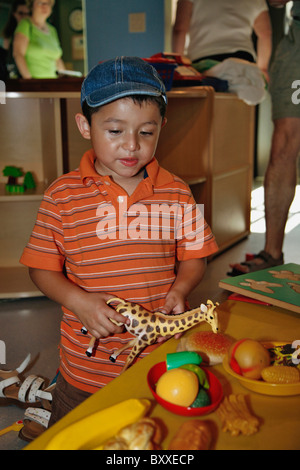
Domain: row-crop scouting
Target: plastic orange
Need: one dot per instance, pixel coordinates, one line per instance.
(178, 386)
(215, 393)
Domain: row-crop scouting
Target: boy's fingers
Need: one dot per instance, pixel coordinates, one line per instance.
(114, 315)
(166, 309)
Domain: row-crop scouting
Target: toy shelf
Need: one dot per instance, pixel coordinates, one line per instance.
(29, 195)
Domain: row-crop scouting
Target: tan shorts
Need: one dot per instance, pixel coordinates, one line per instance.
(284, 75)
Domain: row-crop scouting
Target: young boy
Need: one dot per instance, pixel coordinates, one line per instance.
(108, 229)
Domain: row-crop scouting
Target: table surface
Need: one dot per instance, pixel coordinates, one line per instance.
(279, 416)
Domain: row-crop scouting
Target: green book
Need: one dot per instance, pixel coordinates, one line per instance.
(278, 286)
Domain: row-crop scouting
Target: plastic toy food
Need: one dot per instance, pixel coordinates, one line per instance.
(280, 375)
(201, 400)
(199, 406)
(177, 359)
(235, 416)
(248, 358)
(192, 435)
(283, 354)
(211, 347)
(203, 382)
(178, 386)
(145, 434)
(95, 429)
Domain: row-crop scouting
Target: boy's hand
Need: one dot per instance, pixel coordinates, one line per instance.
(189, 274)
(90, 308)
(174, 304)
(95, 315)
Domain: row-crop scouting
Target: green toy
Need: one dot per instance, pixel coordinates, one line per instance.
(13, 173)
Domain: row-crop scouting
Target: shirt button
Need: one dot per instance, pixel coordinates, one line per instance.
(120, 199)
(107, 183)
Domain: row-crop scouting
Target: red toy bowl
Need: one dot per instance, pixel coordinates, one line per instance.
(215, 393)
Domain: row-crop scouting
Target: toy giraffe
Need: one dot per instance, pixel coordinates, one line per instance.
(147, 326)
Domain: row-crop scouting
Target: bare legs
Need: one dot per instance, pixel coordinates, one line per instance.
(280, 181)
(280, 184)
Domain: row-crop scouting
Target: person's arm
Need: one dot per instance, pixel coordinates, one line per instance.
(6, 43)
(189, 274)
(60, 65)
(263, 30)
(90, 308)
(20, 45)
(181, 25)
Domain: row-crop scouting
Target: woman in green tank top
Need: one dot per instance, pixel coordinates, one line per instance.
(36, 48)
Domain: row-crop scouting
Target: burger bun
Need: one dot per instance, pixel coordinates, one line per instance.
(212, 347)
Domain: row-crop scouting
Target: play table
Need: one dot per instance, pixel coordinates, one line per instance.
(280, 416)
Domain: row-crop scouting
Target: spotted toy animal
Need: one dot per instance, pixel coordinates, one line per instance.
(148, 326)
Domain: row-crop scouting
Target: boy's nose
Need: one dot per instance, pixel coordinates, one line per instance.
(131, 143)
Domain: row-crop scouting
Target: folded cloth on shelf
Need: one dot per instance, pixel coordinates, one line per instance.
(244, 79)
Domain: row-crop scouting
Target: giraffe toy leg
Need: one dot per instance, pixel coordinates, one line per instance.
(89, 351)
(137, 346)
(114, 356)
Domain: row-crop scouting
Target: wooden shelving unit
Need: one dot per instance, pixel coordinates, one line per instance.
(208, 142)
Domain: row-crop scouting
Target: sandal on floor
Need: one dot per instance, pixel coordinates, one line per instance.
(29, 392)
(268, 262)
(35, 422)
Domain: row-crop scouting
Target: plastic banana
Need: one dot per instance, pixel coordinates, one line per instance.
(93, 430)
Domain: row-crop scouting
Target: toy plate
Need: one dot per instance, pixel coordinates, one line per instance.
(260, 386)
(215, 392)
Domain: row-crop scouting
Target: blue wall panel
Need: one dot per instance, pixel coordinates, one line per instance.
(108, 33)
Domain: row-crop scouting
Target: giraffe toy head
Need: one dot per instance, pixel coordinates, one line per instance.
(211, 315)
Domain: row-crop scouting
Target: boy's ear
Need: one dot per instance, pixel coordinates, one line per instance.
(83, 126)
(164, 122)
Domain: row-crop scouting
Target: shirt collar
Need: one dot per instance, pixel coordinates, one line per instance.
(157, 175)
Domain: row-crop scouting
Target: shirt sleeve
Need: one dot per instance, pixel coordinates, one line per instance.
(45, 247)
(261, 6)
(24, 27)
(194, 237)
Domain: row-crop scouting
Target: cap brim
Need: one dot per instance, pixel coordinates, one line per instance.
(121, 90)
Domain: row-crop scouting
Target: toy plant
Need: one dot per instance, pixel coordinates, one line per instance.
(147, 326)
(14, 173)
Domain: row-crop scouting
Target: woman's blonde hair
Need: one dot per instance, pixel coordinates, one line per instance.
(30, 3)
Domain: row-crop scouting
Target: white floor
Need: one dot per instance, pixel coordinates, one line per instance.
(32, 325)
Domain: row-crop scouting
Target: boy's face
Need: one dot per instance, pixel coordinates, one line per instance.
(124, 137)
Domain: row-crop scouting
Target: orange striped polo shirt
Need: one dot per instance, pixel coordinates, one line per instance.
(107, 241)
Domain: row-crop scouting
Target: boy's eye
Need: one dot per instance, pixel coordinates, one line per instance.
(146, 133)
(114, 131)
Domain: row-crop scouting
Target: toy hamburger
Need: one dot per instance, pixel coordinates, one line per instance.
(212, 347)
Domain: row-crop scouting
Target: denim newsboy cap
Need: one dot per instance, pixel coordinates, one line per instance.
(120, 77)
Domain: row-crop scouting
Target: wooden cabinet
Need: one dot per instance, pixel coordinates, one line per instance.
(208, 142)
(231, 168)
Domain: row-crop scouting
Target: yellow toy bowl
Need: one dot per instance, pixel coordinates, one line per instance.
(262, 387)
